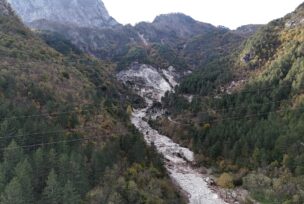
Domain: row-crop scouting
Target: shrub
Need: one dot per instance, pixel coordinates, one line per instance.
(225, 181)
(256, 181)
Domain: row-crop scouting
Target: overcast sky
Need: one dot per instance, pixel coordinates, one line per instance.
(229, 13)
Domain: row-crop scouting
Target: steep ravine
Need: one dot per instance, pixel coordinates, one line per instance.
(152, 84)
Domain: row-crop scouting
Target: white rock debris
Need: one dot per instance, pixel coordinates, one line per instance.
(178, 163)
(146, 81)
(150, 84)
(143, 39)
(189, 97)
(170, 74)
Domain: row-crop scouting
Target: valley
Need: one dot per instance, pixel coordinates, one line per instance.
(171, 111)
(178, 160)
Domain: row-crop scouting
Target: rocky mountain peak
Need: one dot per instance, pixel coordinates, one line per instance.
(247, 30)
(181, 24)
(178, 19)
(173, 17)
(301, 6)
(80, 13)
(5, 9)
(295, 18)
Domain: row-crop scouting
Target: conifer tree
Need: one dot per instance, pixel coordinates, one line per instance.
(52, 192)
(13, 154)
(23, 172)
(39, 170)
(78, 173)
(70, 196)
(2, 178)
(13, 193)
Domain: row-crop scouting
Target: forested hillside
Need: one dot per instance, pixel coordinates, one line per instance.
(64, 129)
(244, 113)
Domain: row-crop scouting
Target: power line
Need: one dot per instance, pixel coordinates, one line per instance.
(89, 73)
(251, 105)
(250, 91)
(56, 113)
(210, 121)
(255, 115)
(55, 66)
(51, 143)
(70, 141)
(45, 114)
(238, 108)
(112, 108)
(46, 133)
(105, 70)
(88, 109)
(76, 111)
(51, 132)
(224, 94)
(236, 118)
(216, 95)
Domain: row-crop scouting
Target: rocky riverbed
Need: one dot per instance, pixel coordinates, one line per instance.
(152, 84)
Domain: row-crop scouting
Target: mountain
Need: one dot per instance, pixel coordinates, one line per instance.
(167, 27)
(247, 30)
(5, 9)
(66, 136)
(183, 25)
(171, 39)
(238, 103)
(243, 112)
(77, 13)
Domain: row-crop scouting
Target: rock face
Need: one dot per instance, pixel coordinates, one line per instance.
(169, 27)
(172, 39)
(149, 82)
(184, 26)
(5, 8)
(247, 30)
(295, 19)
(79, 13)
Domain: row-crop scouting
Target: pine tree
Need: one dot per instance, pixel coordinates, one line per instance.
(52, 191)
(70, 196)
(52, 158)
(13, 193)
(256, 156)
(40, 170)
(2, 179)
(23, 172)
(13, 154)
(78, 173)
(64, 169)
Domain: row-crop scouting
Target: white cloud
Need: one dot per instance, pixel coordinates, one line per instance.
(230, 13)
